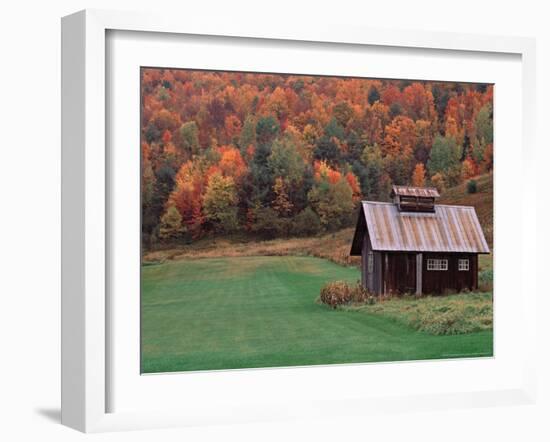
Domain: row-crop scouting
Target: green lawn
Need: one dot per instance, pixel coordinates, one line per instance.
(260, 311)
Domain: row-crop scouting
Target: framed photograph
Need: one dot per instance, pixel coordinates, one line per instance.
(261, 224)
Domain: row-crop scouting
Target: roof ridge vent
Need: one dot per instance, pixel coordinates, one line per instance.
(414, 199)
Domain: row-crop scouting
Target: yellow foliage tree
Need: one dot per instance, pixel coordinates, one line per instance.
(438, 181)
(281, 203)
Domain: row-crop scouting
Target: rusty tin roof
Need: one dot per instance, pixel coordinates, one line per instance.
(449, 229)
(415, 191)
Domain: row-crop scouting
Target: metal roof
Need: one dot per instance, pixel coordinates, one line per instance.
(448, 229)
(430, 192)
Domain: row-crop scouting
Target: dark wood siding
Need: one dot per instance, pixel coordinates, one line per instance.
(364, 262)
(395, 273)
(399, 272)
(377, 274)
(476, 271)
(451, 280)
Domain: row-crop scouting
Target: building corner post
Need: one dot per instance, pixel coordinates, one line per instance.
(419, 273)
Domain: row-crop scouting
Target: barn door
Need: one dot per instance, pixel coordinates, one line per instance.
(406, 273)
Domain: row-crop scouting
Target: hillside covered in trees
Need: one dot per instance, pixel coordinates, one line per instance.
(285, 155)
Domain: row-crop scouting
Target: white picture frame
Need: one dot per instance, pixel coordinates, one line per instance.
(85, 202)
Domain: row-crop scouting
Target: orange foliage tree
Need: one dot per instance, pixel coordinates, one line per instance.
(270, 143)
(419, 175)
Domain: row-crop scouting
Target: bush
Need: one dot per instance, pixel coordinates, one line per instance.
(438, 182)
(471, 186)
(306, 223)
(485, 281)
(335, 293)
(340, 293)
(267, 223)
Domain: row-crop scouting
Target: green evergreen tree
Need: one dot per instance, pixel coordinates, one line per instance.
(374, 95)
(248, 133)
(445, 154)
(334, 129)
(374, 165)
(188, 139)
(327, 150)
(306, 223)
(267, 130)
(484, 124)
(285, 161)
(162, 187)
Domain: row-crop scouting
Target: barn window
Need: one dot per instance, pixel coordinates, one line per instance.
(370, 262)
(463, 265)
(438, 264)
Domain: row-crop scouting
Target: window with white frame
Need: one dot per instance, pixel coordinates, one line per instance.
(463, 265)
(438, 264)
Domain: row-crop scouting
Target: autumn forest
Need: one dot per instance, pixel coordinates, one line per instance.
(271, 155)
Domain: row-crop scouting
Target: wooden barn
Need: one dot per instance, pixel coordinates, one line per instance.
(413, 245)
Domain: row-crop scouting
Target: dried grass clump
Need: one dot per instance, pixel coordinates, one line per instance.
(339, 293)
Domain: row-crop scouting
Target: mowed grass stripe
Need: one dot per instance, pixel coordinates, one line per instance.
(244, 312)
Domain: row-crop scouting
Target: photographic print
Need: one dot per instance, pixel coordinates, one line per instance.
(298, 220)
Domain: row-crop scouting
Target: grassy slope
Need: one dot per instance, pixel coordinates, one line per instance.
(261, 312)
(332, 246)
(438, 315)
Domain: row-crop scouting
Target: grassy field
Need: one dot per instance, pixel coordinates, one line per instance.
(260, 311)
(333, 246)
